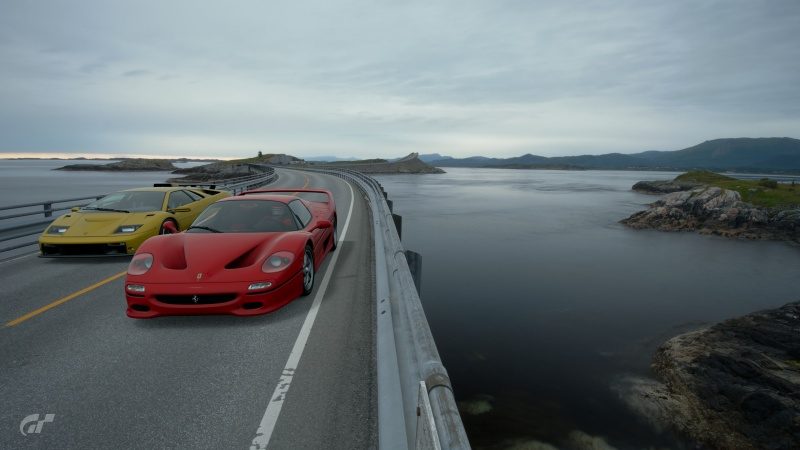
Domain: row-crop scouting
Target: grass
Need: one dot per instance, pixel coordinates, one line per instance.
(764, 192)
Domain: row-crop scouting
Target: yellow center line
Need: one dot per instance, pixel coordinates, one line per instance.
(64, 300)
(304, 185)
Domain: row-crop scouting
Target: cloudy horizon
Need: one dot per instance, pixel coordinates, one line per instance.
(383, 79)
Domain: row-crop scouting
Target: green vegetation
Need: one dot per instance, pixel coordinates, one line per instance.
(764, 192)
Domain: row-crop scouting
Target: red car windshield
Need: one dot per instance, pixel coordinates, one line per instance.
(245, 216)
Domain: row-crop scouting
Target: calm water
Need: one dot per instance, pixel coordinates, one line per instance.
(540, 301)
(28, 181)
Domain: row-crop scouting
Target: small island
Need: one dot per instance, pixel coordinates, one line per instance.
(710, 203)
(126, 165)
(409, 164)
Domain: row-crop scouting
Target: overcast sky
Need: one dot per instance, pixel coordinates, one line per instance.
(384, 78)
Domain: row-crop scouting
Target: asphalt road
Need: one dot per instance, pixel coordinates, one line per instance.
(189, 382)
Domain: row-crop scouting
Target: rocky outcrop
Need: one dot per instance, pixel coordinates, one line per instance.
(733, 385)
(126, 165)
(407, 164)
(713, 210)
(664, 186)
(212, 172)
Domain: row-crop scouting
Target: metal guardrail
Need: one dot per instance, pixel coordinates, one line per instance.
(416, 406)
(46, 209)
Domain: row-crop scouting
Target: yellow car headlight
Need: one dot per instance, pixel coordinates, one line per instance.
(127, 229)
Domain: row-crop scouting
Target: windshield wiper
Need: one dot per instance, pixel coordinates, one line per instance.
(94, 208)
(204, 228)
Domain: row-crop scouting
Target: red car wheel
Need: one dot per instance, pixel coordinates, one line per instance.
(308, 271)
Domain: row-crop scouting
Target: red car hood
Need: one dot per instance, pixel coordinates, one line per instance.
(212, 257)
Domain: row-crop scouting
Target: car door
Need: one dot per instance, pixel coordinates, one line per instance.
(183, 207)
(307, 220)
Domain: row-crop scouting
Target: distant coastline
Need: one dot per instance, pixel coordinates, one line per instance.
(774, 155)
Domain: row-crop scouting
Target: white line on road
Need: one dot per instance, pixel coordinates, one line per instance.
(265, 429)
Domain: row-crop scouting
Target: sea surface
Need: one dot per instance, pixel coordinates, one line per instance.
(28, 181)
(541, 302)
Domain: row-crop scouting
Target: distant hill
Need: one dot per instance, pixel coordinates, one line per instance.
(735, 154)
(328, 158)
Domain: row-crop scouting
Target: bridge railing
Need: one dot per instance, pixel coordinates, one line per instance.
(416, 406)
(18, 222)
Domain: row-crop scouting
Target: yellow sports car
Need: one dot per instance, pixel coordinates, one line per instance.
(118, 223)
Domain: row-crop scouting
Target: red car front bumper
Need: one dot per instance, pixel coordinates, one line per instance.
(209, 298)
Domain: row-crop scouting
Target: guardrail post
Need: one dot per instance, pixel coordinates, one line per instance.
(48, 209)
(415, 266)
(398, 223)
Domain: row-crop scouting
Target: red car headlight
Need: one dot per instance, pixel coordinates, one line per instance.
(277, 262)
(140, 264)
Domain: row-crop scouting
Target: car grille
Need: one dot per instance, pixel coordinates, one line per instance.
(204, 299)
(83, 249)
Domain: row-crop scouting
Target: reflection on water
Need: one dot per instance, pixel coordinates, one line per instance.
(540, 301)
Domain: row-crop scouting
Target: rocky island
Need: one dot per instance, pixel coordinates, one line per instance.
(715, 204)
(408, 164)
(126, 165)
(735, 384)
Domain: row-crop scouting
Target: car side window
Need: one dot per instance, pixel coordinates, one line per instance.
(194, 195)
(302, 213)
(178, 199)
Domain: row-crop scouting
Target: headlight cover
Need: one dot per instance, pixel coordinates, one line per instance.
(277, 262)
(127, 228)
(57, 229)
(140, 264)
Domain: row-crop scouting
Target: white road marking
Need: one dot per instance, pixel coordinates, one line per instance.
(267, 426)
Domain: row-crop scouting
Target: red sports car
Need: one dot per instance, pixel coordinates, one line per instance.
(244, 255)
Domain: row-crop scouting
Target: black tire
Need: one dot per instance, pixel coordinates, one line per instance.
(335, 236)
(308, 271)
(166, 227)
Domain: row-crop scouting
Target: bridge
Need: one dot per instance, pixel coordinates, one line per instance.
(352, 366)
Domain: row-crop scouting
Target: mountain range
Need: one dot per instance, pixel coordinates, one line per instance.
(732, 154)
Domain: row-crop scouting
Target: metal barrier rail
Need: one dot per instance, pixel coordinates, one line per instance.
(31, 228)
(416, 406)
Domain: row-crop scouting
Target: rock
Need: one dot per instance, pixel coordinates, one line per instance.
(578, 440)
(529, 445)
(664, 186)
(478, 405)
(713, 210)
(212, 172)
(408, 164)
(733, 385)
(126, 165)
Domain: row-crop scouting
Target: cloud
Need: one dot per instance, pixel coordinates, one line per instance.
(368, 78)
